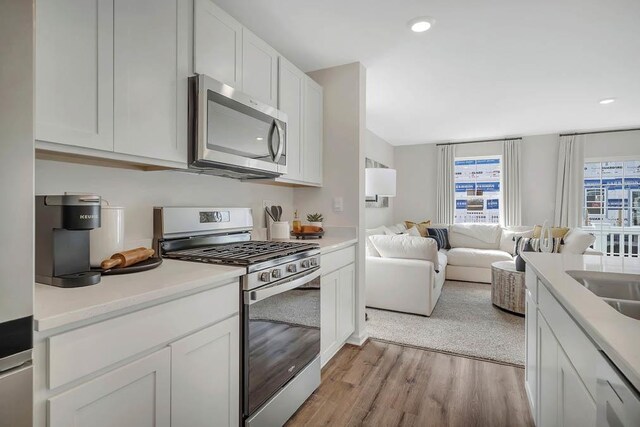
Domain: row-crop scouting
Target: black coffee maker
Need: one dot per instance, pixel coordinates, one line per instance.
(63, 224)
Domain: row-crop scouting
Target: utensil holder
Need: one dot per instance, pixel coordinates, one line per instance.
(280, 230)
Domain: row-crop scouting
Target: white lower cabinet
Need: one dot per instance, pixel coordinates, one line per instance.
(557, 390)
(175, 363)
(576, 408)
(337, 317)
(134, 395)
(205, 376)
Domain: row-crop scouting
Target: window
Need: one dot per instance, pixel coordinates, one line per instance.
(612, 205)
(478, 189)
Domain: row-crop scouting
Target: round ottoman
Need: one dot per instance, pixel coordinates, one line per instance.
(507, 287)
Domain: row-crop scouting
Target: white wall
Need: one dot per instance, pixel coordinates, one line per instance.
(618, 144)
(417, 169)
(381, 151)
(140, 191)
(343, 175)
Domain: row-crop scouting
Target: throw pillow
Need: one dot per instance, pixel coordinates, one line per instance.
(441, 235)
(413, 231)
(407, 247)
(556, 232)
(509, 238)
(421, 226)
(576, 241)
(535, 245)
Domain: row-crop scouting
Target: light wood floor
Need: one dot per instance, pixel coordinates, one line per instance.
(384, 384)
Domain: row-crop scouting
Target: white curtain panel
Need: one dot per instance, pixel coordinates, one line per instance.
(570, 182)
(445, 185)
(512, 201)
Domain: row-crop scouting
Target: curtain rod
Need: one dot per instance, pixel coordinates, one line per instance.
(600, 131)
(477, 142)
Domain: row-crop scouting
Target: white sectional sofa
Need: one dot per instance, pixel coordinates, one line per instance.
(412, 283)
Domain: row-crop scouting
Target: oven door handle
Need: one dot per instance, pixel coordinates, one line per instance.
(292, 282)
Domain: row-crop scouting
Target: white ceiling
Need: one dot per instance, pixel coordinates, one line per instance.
(489, 68)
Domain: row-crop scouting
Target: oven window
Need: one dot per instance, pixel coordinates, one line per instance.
(283, 337)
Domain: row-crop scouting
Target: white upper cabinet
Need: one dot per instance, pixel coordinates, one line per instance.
(313, 135)
(217, 44)
(74, 72)
(150, 72)
(291, 82)
(259, 69)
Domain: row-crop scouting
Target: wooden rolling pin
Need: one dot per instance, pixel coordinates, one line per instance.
(127, 258)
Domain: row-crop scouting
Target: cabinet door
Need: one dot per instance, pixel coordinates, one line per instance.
(312, 141)
(291, 82)
(548, 375)
(259, 69)
(74, 72)
(135, 395)
(217, 44)
(531, 328)
(205, 377)
(346, 302)
(328, 315)
(576, 408)
(150, 72)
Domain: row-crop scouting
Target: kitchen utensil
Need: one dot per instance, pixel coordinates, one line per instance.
(127, 258)
(275, 213)
(280, 230)
(148, 264)
(109, 238)
(279, 213)
(268, 211)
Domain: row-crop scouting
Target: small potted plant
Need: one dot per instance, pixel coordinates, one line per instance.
(315, 219)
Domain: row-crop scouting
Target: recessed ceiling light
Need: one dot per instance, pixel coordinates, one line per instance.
(607, 101)
(422, 24)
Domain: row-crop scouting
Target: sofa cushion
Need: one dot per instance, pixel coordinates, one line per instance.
(406, 247)
(413, 231)
(478, 236)
(471, 257)
(370, 249)
(576, 241)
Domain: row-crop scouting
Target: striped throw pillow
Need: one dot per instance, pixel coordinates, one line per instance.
(441, 235)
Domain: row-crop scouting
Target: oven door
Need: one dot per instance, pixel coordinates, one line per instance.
(237, 131)
(281, 335)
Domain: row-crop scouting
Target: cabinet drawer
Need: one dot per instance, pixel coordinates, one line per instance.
(82, 351)
(579, 349)
(335, 260)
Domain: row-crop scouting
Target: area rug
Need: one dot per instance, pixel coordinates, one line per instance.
(463, 322)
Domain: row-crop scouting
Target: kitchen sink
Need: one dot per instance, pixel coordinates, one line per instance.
(628, 308)
(615, 286)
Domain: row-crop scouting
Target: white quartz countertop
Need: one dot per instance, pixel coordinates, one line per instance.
(616, 334)
(56, 307)
(330, 243)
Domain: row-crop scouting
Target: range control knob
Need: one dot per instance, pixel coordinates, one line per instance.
(276, 273)
(314, 262)
(264, 276)
(291, 268)
(305, 263)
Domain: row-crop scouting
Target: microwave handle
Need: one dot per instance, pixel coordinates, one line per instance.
(272, 130)
(293, 282)
(281, 141)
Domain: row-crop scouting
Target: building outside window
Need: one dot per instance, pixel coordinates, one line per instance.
(612, 204)
(478, 189)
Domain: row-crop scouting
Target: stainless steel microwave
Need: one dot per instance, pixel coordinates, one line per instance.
(231, 134)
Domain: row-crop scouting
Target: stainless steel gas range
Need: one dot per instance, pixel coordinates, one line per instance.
(280, 304)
